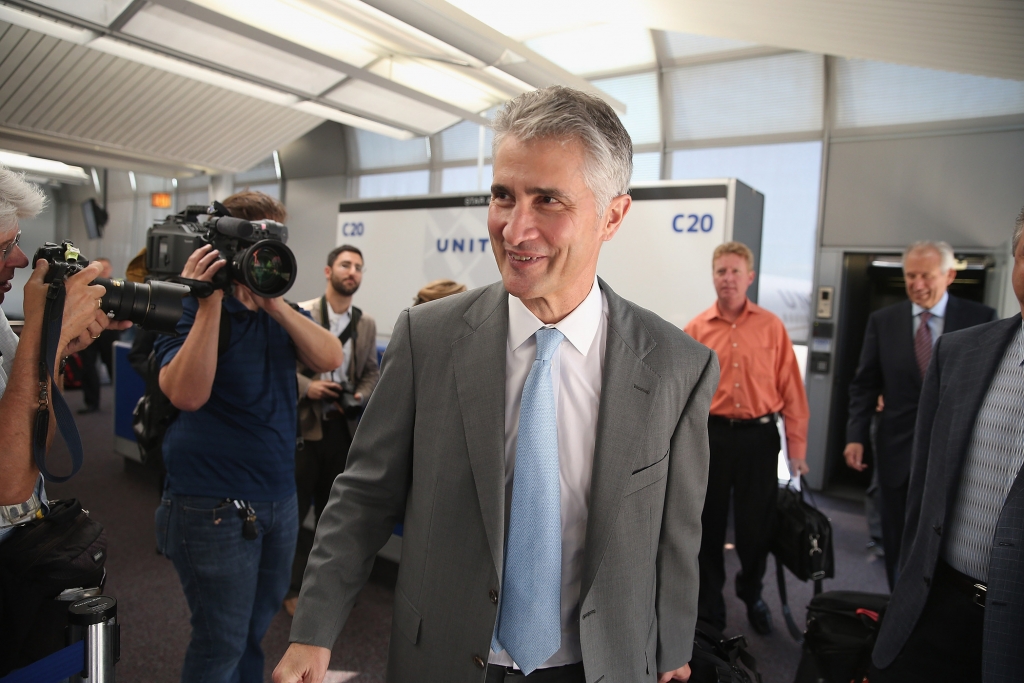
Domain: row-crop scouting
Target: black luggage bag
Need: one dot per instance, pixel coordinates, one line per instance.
(841, 630)
(717, 659)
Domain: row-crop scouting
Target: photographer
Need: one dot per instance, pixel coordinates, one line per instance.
(326, 429)
(21, 487)
(228, 518)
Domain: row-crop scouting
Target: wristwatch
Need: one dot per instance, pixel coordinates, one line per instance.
(22, 513)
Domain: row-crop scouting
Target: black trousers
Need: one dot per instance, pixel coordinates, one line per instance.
(744, 463)
(317, 465)
(101, 349)
(894, 512)
(946, 643)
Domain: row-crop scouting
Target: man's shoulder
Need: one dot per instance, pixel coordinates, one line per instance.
(449, 314)
(671, 344)
(969, 339)
(971, 310)
(892, 313)
(310, 305)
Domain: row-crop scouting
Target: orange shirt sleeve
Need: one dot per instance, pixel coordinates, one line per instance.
(790, 386)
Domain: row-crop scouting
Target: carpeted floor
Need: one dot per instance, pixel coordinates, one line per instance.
(155, 618)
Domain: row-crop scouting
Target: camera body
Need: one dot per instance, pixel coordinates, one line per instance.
(351, 406)
(153, 306)
(255, 251)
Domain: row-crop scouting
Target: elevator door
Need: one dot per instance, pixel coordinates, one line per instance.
(871, 282)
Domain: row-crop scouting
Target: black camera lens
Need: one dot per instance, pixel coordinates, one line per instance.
(153, 306)
(267, 268)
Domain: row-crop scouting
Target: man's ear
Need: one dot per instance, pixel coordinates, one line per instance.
(950, 276)
(750, 277)
(327, 272)
(614, 214)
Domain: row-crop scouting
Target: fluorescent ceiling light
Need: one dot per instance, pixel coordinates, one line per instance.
(131, 180)
(325, 112)
(597, 49)
(302, 24)
(97, 11)
(48, 168)
(405, 111)
(198, 73)
(440, 81)
(35, 22)
(165, 27)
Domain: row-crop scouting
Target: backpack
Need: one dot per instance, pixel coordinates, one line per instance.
(842, 627)
(154, 412)
(66, 549)
(717, 659)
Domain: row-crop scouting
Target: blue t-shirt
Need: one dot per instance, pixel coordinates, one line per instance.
(241, 443)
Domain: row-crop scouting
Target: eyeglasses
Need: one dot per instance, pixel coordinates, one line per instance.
(346, 265)
(6, 251)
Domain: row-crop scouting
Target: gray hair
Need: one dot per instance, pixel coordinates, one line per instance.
(1018, 228)
(946, 256)
(566, 114)
(18, 198)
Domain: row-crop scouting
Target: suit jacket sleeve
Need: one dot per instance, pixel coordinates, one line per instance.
(369, 374)
(366, 502)
(922, 446)
(678, 576)
(865, 388)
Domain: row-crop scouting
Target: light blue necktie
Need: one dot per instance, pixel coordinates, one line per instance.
(530, 620)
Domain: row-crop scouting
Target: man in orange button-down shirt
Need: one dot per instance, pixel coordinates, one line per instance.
(760, 381)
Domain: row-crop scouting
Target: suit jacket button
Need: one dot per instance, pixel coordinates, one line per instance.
(493, 595)
(478, 661)
(938, 529)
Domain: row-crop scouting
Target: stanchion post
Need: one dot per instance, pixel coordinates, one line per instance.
(94, 620)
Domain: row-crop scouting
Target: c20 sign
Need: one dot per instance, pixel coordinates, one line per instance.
(352, 229)
(693, 222)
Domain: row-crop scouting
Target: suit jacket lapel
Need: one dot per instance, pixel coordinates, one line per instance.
(981, 365)
(479, 363)
(628, 390)
(906, 336)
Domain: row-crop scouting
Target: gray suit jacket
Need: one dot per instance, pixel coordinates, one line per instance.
(430, 451)
(963, 366)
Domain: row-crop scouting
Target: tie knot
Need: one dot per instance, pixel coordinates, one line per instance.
(925, 317)
(548, 339)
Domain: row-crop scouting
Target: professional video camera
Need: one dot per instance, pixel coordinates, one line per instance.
(153, 306)
(255, 251)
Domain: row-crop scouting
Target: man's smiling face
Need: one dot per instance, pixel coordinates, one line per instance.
(545, 225)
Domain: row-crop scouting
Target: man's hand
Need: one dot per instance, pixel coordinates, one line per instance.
(680, 674)
(854, 454)
(321, 389)
(798, 467)
(202, 265)
(303, 664)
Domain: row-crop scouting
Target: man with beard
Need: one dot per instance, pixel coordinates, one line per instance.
(326, 430)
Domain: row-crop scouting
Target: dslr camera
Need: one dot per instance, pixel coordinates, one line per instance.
(255, 251)
(152, 306)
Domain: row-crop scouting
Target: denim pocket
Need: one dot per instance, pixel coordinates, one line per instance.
(162, 518)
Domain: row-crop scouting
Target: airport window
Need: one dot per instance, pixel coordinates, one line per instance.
(399, 184)
(789, 175)
(461, 142)
(646, 166)
(379, 151)
(879, 94)
(466, 179)
(639, 92)
(688, 45)
(750, 97)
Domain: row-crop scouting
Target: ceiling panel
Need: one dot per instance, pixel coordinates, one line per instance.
(63, 95)
(366, 97)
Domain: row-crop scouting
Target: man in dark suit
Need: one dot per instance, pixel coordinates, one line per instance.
(897, 348)
(957, 613)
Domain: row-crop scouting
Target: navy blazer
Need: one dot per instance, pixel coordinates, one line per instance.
(888, 367)
(963, 366)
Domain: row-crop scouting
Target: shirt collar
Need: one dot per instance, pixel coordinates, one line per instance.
(749, 308)
(579, 327)
(938, 310)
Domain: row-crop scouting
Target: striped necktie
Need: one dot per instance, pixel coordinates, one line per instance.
(923, 343)
(530, 620)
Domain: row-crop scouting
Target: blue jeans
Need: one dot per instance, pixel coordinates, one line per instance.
(234, 586)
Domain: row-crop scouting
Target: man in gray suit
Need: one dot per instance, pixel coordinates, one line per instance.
(957, 612)
(544, 441)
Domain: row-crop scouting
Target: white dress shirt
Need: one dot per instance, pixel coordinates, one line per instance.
(576, 371)
(937, 323)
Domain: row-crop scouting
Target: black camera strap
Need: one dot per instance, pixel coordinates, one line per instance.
(53, 319)
(350, 331)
